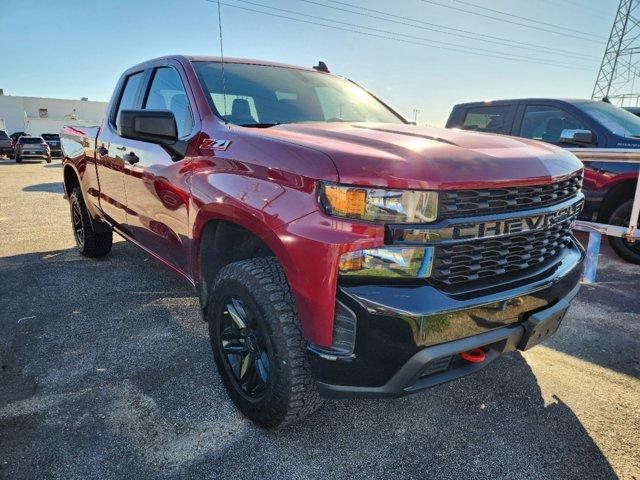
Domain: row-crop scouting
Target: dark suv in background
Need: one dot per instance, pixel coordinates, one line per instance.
(53, 140)
(6, 144)
(609, 187)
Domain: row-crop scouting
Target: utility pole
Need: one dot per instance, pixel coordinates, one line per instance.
(415, 115)
(620, 70)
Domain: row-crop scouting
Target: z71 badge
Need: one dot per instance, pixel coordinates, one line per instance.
(212, 144)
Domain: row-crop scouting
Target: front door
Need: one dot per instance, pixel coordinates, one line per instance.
(110, 151)
(155, 184)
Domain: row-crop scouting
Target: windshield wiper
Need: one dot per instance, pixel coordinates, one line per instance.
(261, 125)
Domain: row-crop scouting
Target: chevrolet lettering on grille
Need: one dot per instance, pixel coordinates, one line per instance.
(515, 225)
(459, 231)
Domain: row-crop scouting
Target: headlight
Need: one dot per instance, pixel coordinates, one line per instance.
(402, 262)
(378, 205)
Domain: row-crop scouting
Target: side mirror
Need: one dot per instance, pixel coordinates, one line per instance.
(153, 126)
(576, 137)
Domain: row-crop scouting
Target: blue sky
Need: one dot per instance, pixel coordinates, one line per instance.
(73, 48)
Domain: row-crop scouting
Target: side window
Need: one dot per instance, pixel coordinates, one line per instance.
(167, 93)
(488, 119)
(546, 123)
(129, 94)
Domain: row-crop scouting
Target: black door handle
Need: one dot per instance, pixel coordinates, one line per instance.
(102, 150)
(132, 158)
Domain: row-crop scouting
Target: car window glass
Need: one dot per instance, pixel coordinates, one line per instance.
(547, 123)
(3, 135)
(491, 119)
(265, 95)
(219, 100)
(168, 93)
(129, 94)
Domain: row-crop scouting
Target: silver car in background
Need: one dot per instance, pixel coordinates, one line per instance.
(32, 147)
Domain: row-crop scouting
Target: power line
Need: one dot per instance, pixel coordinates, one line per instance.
(577, 7)
(504, 20)
(390, 36)
(465, 33)
(512, 15)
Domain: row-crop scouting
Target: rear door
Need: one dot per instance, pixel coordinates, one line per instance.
(110, 151)
(155, 183)
(487, 118)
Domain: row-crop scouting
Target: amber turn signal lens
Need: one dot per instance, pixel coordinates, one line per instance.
(346, 201)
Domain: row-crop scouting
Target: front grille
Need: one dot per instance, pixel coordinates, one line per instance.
(482, 259)
(458, 203)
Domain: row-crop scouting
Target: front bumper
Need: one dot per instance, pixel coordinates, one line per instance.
(408, 337)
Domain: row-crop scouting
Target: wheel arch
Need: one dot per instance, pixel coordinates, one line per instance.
(616, 195)
(71, 179)
(221, 240)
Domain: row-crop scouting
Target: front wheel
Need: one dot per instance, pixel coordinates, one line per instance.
(257, 343)
(630, 251)
(93, 241)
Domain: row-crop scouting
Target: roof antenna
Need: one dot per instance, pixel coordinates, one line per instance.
(224, 83)
(321, 67)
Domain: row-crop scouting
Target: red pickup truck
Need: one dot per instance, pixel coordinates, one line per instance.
(337, 250)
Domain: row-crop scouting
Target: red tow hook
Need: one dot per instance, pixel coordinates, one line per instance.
(474, 356)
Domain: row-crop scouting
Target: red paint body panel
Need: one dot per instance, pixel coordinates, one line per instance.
(266, 182)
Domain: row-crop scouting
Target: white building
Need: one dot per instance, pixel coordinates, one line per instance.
(36, 115)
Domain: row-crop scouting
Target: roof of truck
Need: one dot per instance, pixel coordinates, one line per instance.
(514, 100)
(205, 58)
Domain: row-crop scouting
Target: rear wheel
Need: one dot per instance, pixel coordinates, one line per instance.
(92, 238)
(630, 251)
(257, 343)
(18, 159)
(48, 159)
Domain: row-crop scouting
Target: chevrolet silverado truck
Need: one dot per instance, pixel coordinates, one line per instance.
(609, 187)
(337, 250)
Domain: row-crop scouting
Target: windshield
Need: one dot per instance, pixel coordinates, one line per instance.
(260, 95)
(30, 140)
(615, 119)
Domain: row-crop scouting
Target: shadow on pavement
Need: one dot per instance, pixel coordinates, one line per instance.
(107, 373)
(603, 323)
(53, 187)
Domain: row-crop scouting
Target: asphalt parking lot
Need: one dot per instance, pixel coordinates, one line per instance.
(106, 372)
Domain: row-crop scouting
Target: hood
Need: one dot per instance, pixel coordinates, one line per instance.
(408, 156)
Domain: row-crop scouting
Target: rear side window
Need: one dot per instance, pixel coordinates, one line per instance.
(129, 94)
(3, 135)
(492, 119)
(167, 93)
(546, 123)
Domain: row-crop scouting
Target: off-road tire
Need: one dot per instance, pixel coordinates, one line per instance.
(97, 238)
(290, 393)
(620, 216)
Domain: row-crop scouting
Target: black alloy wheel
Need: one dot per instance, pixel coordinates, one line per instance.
(78, 225)
(628, 250)
(243, 345)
